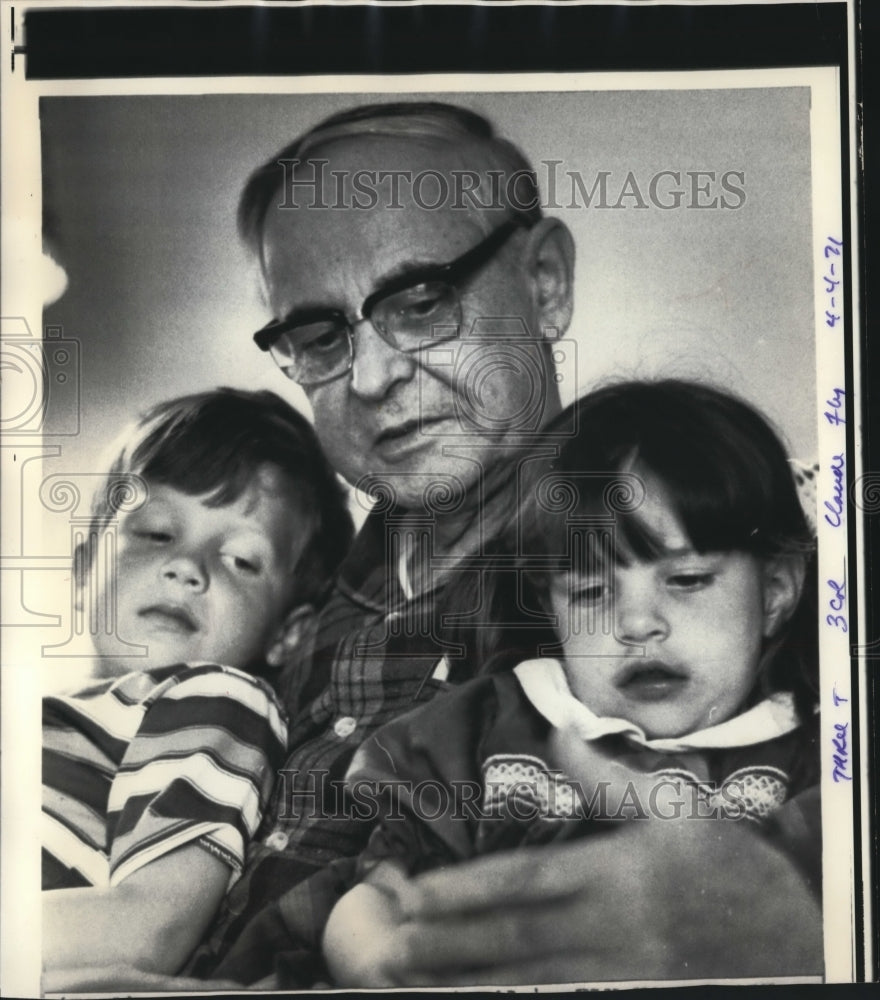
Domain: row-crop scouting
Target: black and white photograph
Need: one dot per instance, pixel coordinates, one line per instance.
(429, 531)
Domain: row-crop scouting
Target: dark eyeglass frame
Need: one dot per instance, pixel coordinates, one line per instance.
(455, 272)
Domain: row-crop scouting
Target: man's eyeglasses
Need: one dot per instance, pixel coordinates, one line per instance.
(424, 305)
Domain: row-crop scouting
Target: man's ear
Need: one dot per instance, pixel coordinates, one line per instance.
(549, 260)
(783, 584)
(289, 636)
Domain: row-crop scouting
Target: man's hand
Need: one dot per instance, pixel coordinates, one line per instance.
(650, 899)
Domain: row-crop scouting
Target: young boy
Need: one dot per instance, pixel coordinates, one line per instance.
(156, 777)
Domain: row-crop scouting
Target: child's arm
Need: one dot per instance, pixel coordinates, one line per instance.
(151, 920)
(362, 935)
(200, 767)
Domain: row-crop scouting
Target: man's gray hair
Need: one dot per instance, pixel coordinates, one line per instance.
(448, 125)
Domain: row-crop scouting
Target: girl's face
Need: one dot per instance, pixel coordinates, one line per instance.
(673, 644)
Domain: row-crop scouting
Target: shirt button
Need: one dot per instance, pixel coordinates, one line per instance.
(277, 840)
(345, 726)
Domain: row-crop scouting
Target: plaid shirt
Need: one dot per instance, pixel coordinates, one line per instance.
(370, 656)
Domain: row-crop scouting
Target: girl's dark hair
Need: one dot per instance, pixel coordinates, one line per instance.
(725, 474)
(213, 443)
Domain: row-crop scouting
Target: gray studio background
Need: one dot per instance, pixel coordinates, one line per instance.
(140, 195)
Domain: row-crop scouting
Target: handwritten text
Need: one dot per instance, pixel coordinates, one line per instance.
(834, 506)
(832, 280)
(840, 759)
(837, 603)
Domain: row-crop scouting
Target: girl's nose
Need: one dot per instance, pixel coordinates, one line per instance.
(187, 572)
(638, 617)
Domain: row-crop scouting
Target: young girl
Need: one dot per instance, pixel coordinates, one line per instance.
(666, 544)
(157, 775)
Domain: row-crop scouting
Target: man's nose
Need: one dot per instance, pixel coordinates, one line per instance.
(376, 366)
(638, 616)
(190, 573)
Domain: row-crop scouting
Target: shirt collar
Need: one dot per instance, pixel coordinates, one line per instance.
(544, 683)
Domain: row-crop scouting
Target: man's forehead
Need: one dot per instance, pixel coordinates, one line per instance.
(357, 222)
(375, 172)
(365, 210)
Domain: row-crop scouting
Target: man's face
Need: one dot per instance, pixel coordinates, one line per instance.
(399, 416)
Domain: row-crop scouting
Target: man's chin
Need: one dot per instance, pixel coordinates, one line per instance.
(440, 479)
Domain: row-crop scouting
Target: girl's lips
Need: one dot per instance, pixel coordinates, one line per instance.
(651, 680)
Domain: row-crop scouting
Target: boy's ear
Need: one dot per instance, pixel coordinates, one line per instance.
(549, 259)
(289, 635)
(783, 584)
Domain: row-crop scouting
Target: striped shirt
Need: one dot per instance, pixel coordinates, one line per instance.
(137, 766)
(368, 656)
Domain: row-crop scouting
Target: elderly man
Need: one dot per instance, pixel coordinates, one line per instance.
(417, 292)
(422, 331)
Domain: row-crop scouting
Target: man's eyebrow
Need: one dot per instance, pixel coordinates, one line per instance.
(409, 268)
(308, 309)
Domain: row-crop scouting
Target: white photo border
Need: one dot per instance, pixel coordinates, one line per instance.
(837, 366)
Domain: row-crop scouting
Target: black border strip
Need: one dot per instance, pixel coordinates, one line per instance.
(866, 500)
(71, 43)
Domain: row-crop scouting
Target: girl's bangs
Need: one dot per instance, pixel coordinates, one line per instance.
(590, 534)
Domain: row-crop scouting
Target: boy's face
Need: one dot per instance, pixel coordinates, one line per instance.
(194, 582)
(672, 644)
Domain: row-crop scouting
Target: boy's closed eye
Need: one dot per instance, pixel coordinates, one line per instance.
(149, 530)
(151, 523)
(245, 564)
(152, 535)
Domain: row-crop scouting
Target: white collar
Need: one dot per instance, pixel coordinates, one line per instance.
(545, 685)
(422, 570)
(403, 569)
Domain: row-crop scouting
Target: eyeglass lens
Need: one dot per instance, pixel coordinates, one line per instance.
(414, 317)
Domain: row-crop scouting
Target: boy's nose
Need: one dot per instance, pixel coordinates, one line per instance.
(187, 572)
